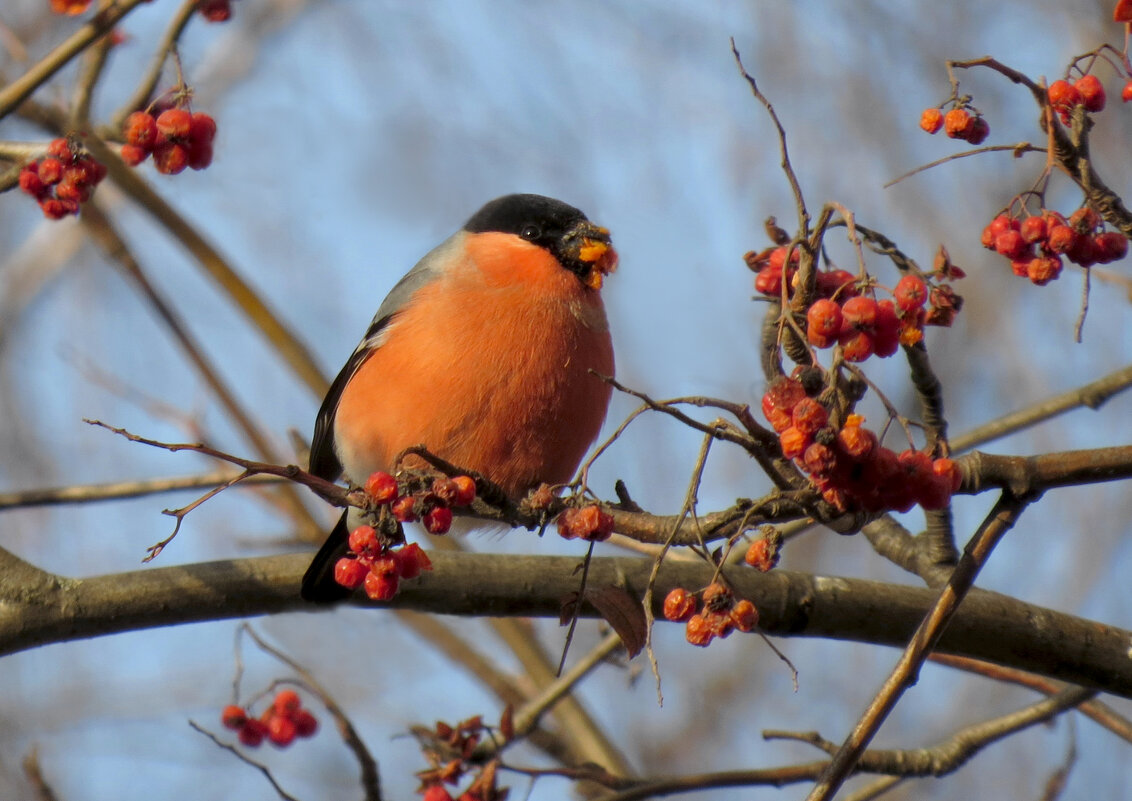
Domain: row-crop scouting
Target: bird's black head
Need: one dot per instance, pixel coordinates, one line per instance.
(582, 247)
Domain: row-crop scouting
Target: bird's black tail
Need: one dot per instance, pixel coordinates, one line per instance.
(319, 585)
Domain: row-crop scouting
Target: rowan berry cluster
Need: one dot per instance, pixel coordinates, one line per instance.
(863, 326)
(451, 748)
(590, 523)
(1035, 245)
(960, 122)
(719, 615)
(282, 721)
(847, 463)
(176, 138)
(62, 180)
(431, 504)
(1086, 91)
(771, 267)
(376, 566)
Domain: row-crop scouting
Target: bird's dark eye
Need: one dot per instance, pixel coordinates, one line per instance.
(530, 232)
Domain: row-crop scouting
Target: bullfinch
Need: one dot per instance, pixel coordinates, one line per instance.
(485, 353)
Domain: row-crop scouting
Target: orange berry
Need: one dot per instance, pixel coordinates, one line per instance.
(1034, 229)
(170, 158)
(1063, 96)
(698, 631)
(679, 605)
(286, 702)
(50, 171)
(931, 120)
(1010, 244)
(949, 470)
(717, 597)
(1126, 92)
(382, 487)
(761, 555)
(744, 616)
(174, 123)
(859, 314)
(779, 401)
(281, 731)
(809, 416)
(1043, 269)
(793, 442)
(140, 130)
(134, 155)
(233, 717)
(856, 346)
(957, 122)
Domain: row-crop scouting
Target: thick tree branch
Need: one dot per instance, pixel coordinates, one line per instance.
(37, 608)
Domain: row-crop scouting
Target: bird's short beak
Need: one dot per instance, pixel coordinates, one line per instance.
(596, 252)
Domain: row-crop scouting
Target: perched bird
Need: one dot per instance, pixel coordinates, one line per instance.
(483, 352)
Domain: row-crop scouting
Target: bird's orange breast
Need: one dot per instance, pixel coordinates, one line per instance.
(489, 367)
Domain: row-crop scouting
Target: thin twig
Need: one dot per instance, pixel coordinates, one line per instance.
(1017, 149)
(117, 490)
(1000, 520)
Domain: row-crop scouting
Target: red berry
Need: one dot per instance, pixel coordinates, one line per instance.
(1110, 246)
(202, 128)
(1061, 239)
(438, 520)
(957, 122)
(744, 616)
(411, 560)
(350, 573)
(30, 181)
(59, 149)
(286, 702)
(859, 314)
(1085, 220)
(140, 130)
(698, 631)
(1043, 269)
(215, 10)
(170, 158)
(978, 132)
(200, 154)
(819, 459)
(769, 281)
(911, 293)
(435, 792)
(808, 416)
(252, 733)
(57, 208)
(933, 492)
(363, 539)
(823, 323)
(134, 155)
(589, 523)
(856, 346)
(679, 605)
(931, 120)
(281, 731)
(1034, 229)
(779, 401)
(1010, 244)
(306, 724)
(233, 717)
(50, 171)
(174, 123)
(1091, 91)
(382, 487)
(68, 190)
(949, 470)
(404, 508)
(1126, 92)
(381, 586)
(886, 339)
(720, 623)
(1063, 96)
(836, 282)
